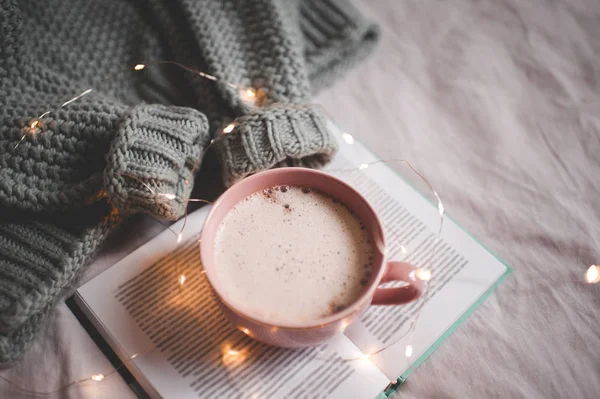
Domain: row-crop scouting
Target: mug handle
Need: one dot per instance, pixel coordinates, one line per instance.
(398, 271)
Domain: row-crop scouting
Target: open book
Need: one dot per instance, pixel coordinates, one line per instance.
(156, 306)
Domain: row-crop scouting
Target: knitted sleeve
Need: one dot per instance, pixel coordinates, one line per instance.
(62, 163)
(282, 48)
(336, 37)
(66, 184)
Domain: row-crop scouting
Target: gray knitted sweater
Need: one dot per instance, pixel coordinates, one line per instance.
(65, 188)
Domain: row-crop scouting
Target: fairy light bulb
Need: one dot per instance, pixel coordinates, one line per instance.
(246, 331)
(593, 274)
(343, 326)
(179, 238)
(348, 138)
(229, 128)
(365, 358)
(440, 207)
(182, 279)
(139, 67)
(232, 357)
(249, 95)
(34, 124)
(423, 274)
(97, 377)
(169, 196)
(363, 166)
(408, 351)
(403, 249)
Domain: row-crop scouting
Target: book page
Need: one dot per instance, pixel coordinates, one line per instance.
(462, 270)
(158, 304)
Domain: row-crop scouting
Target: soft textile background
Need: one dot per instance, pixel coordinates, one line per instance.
(498, 103)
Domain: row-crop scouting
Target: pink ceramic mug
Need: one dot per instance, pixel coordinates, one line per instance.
(322, 329)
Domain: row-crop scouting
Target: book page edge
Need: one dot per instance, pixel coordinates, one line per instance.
(403, 377)
(112, 343)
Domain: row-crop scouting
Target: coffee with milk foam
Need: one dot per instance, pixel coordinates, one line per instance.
(292, 255)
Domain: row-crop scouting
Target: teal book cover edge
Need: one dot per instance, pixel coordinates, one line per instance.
(391, 389)
(402, 379)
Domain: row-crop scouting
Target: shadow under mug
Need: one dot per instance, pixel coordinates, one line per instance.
(308, 334)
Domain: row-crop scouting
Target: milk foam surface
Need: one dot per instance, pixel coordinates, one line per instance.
(292, 255)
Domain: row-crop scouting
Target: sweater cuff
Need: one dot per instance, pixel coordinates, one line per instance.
(273, 137)
(153, 158)
(40, 259)
(337, 36)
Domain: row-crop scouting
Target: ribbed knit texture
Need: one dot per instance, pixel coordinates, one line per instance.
(65, 187)
(276, 136)
(159, 144)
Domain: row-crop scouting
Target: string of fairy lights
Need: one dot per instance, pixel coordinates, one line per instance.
(37, 124)
(252, 98)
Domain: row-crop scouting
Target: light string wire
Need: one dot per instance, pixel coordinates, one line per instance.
(423, 274)
(34, 125)
(140, 67)
(181, 279)
(249, 95)
(96, 377)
